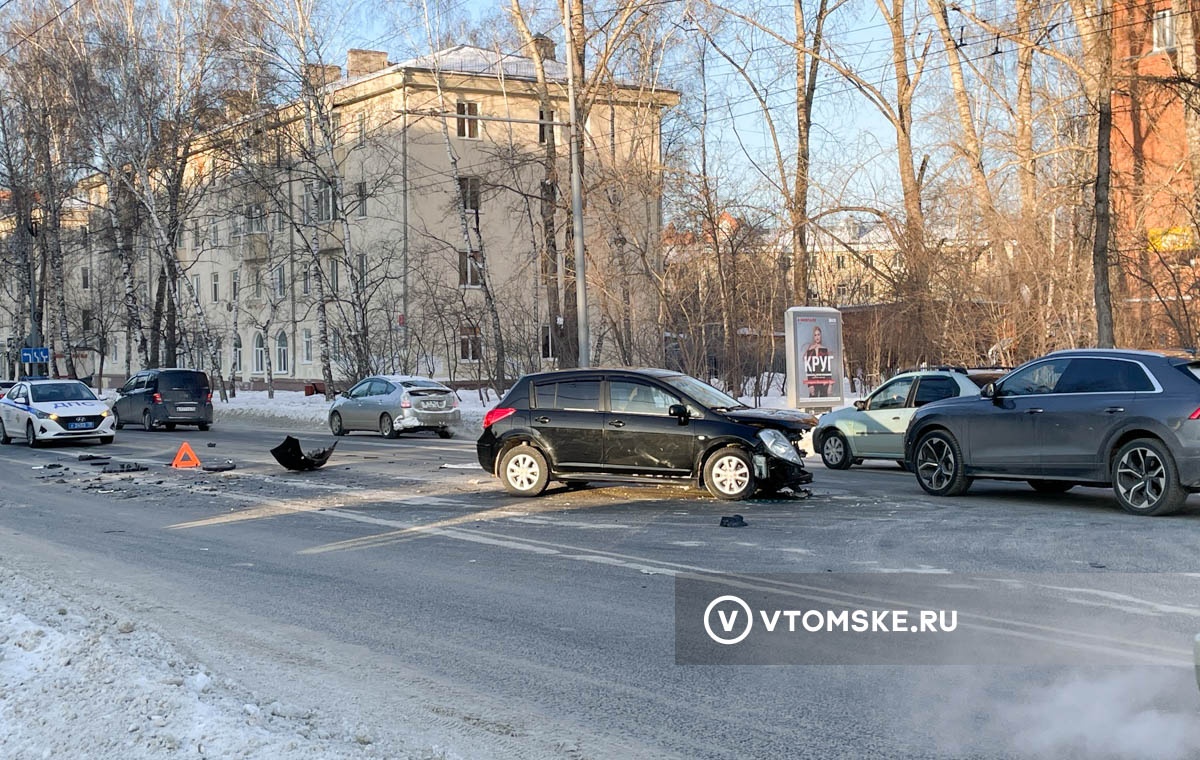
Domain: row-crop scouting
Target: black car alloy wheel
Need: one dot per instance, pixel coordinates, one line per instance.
(1145, 480)
(939, 464)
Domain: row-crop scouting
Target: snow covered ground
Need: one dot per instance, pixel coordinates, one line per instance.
(76, 681)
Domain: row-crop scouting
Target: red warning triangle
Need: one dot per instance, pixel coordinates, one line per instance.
(186, 457)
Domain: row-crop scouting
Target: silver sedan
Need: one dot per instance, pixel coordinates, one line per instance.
(393, 404)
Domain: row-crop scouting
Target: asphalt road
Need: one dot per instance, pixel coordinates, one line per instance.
(400, 585)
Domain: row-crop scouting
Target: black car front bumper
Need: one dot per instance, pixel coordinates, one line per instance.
(780, 473)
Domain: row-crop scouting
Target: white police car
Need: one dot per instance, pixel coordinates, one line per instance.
(46, 410)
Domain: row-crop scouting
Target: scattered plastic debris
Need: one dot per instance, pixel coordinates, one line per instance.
(94, 458)
(290, 455)
(222, 467)
(733, 521)
(124, 467)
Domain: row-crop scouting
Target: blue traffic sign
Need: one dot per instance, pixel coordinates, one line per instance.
(35, 355)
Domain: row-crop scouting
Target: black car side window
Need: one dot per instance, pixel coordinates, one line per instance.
(569, 395)
(1092, 375)
(639, 398)
(935, 388)
(361, 390)
(1036, 379)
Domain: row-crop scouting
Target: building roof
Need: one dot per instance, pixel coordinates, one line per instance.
(468, 59)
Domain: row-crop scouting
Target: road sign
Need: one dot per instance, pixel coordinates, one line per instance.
(35, 355)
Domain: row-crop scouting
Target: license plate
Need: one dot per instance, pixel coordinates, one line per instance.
(182, 408)
(79, 426)
(435, 404)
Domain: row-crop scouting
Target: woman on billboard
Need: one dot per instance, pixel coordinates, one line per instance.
(818, 367)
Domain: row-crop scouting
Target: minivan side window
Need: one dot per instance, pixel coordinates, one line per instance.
(569, 395)
(935, 388)
(1095, 375)
(891, 396)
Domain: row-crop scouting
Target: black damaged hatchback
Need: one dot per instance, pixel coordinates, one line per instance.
(644, 425)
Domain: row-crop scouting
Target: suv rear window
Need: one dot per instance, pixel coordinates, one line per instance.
(1094, 375)
(570, 395)
(183, 381)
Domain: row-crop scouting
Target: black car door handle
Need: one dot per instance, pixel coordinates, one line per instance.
(542, 420)
(1114, 410)
(1034, 411)
(617, 423)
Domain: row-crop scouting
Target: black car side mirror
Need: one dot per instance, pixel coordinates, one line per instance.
(989, 391)
(680, 412)
(860, 404)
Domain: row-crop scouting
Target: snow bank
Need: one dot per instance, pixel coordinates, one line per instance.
(78, 681)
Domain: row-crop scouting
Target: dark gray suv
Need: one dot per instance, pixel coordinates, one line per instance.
(1097, 417)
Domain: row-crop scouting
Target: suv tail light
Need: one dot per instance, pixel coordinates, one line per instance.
(497, 414)
(208, 398)
(157, 398)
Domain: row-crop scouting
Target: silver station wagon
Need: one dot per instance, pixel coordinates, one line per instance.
(394, 404)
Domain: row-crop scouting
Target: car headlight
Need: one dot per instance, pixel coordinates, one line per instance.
(46, 415)
(778, 444)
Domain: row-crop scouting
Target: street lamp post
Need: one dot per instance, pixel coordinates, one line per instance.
(577, 194)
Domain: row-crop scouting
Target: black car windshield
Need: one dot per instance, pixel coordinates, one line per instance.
(702, 392)
(61, 392)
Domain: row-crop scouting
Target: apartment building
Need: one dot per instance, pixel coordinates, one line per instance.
(409, 200)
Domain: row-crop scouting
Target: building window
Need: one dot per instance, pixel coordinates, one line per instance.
(281, 221)
(306, 346)
(280, 281)
(281, 352)
(869, 260)
(256, 219)
(547, 342)
(196, 286)
(234, 282)
(260, 353)
(468, 125)
(237, 222)
(841, 261)
(236, 365)
(333, 275)
(360, 191)
(197, 238)
(304, 281)
(362, 268)
(216, 287)
(1164, 31)
(335, 345)
(361, 120)
(546, 126)
(257, 283)
(335, 129)
(214, 232)
(470, 345)
(468, 190)
(869, 290)
(842, 291)
(470, 274)
(318, 202)
(86, 320)
(85, 278)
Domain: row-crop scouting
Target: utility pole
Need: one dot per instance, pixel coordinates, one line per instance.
(581, 305)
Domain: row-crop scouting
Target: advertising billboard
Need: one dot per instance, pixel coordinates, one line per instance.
(814, 357)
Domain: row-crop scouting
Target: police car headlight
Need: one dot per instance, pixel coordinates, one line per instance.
(46, 416)
(104, 413)
(778, 444)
